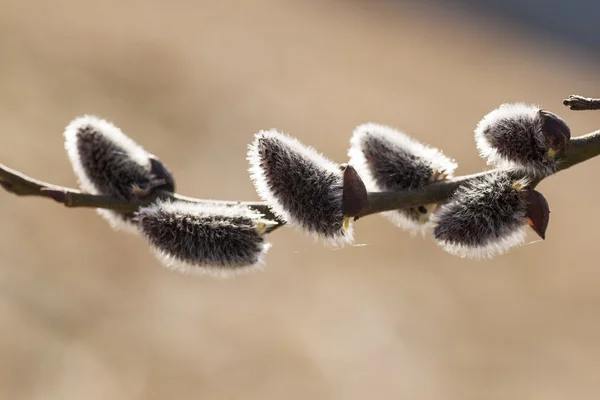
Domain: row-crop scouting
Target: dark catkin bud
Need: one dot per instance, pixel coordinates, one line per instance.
(300, 185)
(107, 162)
(489, 216)
(200, 238)
(354, 194)
(521, 136)
(389, 160)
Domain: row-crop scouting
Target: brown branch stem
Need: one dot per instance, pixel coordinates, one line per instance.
(580, 103)
(20, 184)
(580, 149)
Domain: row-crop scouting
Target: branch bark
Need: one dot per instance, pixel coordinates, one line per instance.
(20, 184)
(580, 103)
(580, 149)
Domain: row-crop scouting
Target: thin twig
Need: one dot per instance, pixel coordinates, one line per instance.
(580, 103)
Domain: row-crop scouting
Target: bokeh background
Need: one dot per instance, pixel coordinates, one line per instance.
(87, 313)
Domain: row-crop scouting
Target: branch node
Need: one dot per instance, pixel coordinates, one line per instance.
(60, 196)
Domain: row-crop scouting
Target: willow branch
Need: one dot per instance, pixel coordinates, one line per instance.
(580, 149)
(20, 184)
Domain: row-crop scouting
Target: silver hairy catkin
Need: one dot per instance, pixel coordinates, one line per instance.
(300, 185)
(390, 160)
(521, 136)
(203, 238)
(107, 162)
(489, 216)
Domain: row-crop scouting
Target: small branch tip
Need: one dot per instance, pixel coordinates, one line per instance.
(580, 103)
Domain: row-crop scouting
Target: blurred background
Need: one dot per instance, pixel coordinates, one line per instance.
(87, 313)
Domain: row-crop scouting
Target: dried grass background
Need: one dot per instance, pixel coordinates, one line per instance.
(87, 313)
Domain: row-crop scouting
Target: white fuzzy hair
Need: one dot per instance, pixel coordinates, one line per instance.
(490, 154)
(116, 222)
(109, 131)
(215, 272)
(207, 209)
(411, 226)
(498, 246)
(114, 134)
(402, 141)
(263, 189)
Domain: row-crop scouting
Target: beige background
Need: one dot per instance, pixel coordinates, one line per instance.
(90, 314)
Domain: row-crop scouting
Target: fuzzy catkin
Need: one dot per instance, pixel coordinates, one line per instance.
(390, 160)
(484, 218)
(300, 185)
(107, 162)
(204, 238)
(521, 136)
